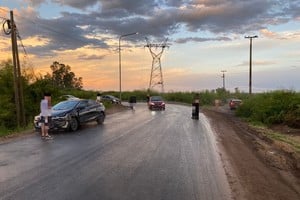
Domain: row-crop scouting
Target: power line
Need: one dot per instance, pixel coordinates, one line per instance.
(50, 30)
(46, 29)
(19, 37)
(6, 26)
(69, 36)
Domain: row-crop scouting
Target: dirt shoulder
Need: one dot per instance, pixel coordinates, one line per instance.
(257, 167)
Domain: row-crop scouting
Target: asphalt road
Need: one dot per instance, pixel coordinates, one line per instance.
(139, 155)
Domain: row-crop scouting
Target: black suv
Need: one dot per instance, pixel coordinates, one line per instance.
(70, 114)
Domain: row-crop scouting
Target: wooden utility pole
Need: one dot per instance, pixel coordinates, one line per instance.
(250, 62)
(19, 100)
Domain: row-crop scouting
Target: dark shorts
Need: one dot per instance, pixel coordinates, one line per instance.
(43, 119)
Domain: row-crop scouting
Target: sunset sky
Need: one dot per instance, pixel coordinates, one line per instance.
(205, 37)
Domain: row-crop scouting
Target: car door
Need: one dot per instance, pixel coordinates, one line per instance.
(93, 108)
(83, 111)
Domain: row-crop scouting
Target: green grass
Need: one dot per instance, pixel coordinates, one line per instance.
(276, 136)
(285, 139)
(4, 132)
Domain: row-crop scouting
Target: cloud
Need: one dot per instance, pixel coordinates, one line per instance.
(80, 4)
(165, 17)
(260, 62)
(159, 19)
(90, 57)
(268, 34)
(199, 39)
(280, 35)
(35, 3)
(64, 33)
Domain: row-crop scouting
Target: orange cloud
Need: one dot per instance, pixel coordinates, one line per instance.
(268, 34)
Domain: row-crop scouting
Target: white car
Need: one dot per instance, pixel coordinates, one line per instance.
(68, 97)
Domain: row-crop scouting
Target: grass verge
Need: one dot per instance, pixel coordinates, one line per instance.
(277, 136)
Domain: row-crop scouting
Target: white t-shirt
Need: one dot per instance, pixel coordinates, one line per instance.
(45, 111)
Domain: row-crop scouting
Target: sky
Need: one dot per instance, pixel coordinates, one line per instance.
(202, 38)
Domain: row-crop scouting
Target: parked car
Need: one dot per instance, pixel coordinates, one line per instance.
(234, 103)
(111, 99)
(70, 114)
(156, 103)
(68, 97)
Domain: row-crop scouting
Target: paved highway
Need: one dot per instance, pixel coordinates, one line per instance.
(141, 155)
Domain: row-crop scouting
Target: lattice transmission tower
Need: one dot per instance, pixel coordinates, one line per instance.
(156, 76)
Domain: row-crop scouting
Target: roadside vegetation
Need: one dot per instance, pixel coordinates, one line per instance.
(278, 107)
(59, 82)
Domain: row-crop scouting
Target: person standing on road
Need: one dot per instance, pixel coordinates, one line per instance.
(45, 107)
(148, 98)
(132, 102)
(195, 107)
(98, 98)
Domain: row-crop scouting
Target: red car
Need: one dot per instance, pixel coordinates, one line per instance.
(234, 103)
(156, 103)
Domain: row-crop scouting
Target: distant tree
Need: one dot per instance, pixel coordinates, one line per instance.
(222, 94)
(63, 77)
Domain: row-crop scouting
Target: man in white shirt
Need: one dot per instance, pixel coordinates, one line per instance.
(98, 99)
(45, 107)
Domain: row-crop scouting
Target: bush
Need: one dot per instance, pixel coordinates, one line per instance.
(272, 108)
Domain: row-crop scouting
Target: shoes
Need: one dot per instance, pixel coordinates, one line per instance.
(47, 137)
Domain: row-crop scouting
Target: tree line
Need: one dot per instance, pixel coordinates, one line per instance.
(60, 78)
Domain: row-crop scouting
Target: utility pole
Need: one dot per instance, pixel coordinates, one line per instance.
(250, 62)
(156, 76)
(19, 100)
(223, 76)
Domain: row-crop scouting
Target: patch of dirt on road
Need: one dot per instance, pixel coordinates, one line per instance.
(257, 167)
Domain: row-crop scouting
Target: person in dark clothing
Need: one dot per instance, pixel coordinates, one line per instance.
(132, 102)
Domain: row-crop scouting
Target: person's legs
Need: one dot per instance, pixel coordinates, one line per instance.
(43, 129)
(46, 126)
(43, 126)
(47, 136)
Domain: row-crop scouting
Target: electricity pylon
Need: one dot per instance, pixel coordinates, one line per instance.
(156, 76)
